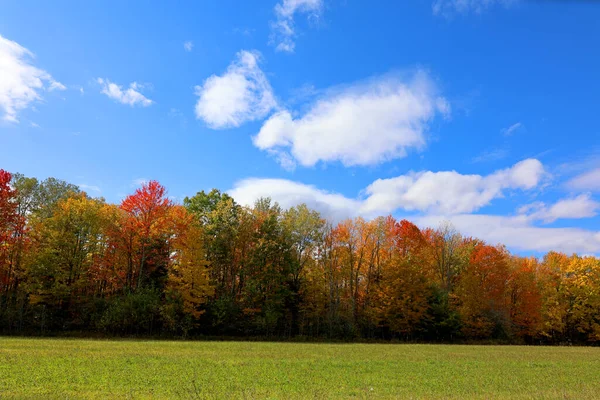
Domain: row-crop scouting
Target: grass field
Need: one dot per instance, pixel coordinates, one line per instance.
(68, 368)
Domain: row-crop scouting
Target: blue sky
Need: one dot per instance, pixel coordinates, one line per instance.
(483, 113)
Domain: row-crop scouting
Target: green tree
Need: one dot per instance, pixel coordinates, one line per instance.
(65, 249)
(303, 231)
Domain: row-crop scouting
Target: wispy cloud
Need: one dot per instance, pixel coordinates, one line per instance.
(302, 94)
(582, 206)
(512, 129)
(88, 188)
(21, 83)
(177, 114)
(188, 46)
(139, 182)
(243, 31)
(283, 28)
(491, 155)
(54, 85)
(448, 8)
(589, 180)
(130, 96)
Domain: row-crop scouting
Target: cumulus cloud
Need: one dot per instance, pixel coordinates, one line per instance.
(283, 30)
(448, 196)
(438, 204)
(589, 180)
(449, 192)
(448, 8)
(288, 194)
(518, 233)
(21, 83)
(241, 94)
(361, 124)
(446, 192)
(582, 206)
(188, 46)
(130, 96)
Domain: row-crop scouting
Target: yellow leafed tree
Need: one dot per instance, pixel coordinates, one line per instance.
(189, 275)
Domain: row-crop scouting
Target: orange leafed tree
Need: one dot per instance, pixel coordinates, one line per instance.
(144, 230)
(525, 297)
(8, 217)
(11, 223)
(69, 261)
(401, 299)
(482, 292)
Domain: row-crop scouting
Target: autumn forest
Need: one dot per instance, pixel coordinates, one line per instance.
(148, 266)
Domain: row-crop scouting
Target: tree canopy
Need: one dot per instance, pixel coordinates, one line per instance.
(210, 266)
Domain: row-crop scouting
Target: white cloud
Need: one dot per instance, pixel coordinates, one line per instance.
(448, 192)
(88, 188)
(284, 159)
(525, 174)
(241, 94)
(33, 125)
(188, 46)
(363, 124)
(512, 129)
(130, 96)
(243, 31)
(491, 155)
(288, 194)
(445, 192)
(20, 81)
(178, 115)
(448, 8)
(282, 30)
(589, 180)
(54, 85)
(518, 233)
(581, 206)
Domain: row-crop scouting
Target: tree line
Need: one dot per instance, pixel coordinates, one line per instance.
(73, 263)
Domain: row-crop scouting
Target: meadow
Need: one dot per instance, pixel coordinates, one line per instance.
(74, 368)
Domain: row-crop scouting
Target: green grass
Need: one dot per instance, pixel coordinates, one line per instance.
(67, 368)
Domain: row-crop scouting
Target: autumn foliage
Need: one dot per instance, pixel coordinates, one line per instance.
(211, 266)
